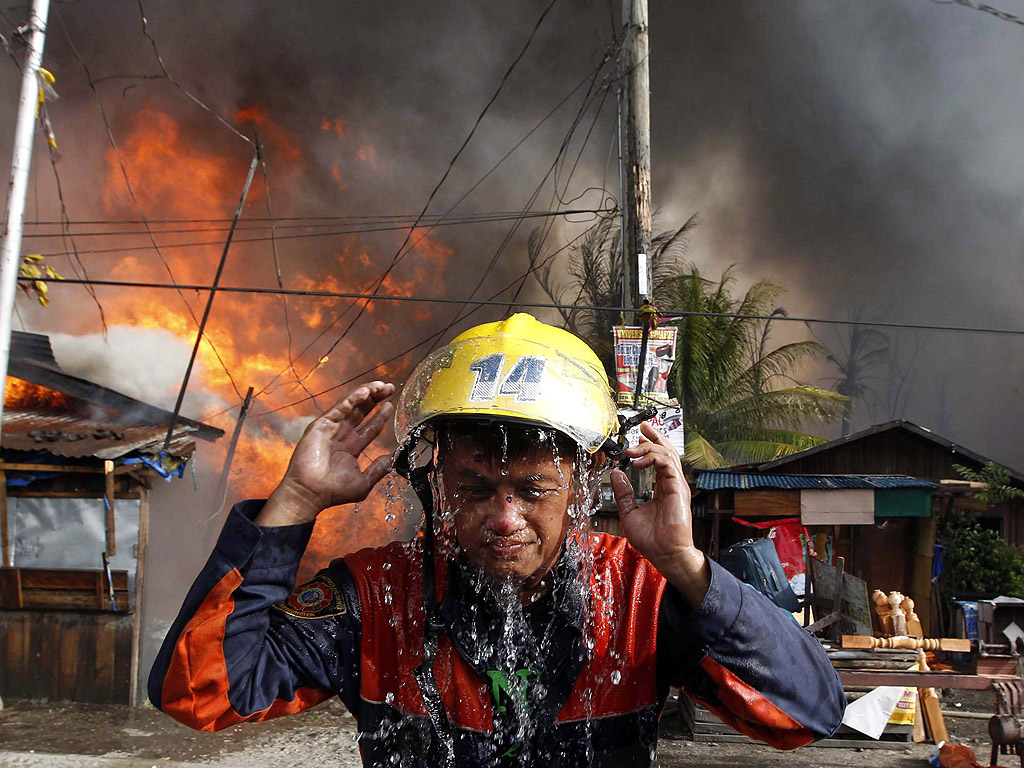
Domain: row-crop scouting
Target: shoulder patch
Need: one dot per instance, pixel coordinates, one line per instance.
(317, 599)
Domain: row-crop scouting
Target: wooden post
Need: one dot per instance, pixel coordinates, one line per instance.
(108, 497)
(921, 585)
(138, 619)
(637, 148)
(5, 533)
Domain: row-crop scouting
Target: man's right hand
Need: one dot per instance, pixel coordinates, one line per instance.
(324, 468)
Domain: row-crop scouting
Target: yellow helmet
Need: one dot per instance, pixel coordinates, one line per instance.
(518, 369)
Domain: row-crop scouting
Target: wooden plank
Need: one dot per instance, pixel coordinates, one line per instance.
(122, 659)
(914, 679)
(5, 532)
(27, 494)
(74, 600)
(10, 588)
(767, 503)
(67, 665)
(140, 583)
(12, 639)
(14, 466)
(104, 665)
(108, 498)
(84, 677)
(49, 664)
(854, 608)
(70, 578)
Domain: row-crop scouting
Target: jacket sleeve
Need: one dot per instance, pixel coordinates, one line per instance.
(245, 646)
(746, 660)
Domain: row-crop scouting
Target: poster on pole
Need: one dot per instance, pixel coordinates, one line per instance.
(661, 353)
(668, 419)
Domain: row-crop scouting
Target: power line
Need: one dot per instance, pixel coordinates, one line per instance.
(430, 339)
(131, 191)
(984, 8)
(271, 225)
(536, 127)
(667, 315)
(179, 86)
(451, 164)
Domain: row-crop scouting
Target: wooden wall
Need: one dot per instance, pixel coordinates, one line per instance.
(66, 655)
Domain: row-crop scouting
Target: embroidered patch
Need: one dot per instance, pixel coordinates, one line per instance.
(318, 599)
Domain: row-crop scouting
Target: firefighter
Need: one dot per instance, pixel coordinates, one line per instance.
(507, 632)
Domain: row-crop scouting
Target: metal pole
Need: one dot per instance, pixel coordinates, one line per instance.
(637, 130)
(213, 292)
(222, 486)
(21, 161)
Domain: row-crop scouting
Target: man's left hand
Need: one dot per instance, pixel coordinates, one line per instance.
(662, 529)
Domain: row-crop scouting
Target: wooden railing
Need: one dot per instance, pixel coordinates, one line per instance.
(63, 588)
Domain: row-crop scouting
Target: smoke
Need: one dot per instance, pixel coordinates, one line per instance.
(860, 154)
(144, 363)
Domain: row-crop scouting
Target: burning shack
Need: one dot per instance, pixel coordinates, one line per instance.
(79, 464)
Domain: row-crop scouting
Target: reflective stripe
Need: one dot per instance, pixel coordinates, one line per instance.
(751, 713)
(195, 688)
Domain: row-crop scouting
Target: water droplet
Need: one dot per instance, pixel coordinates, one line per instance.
(616, 677)
(386, 566)
(389, 697)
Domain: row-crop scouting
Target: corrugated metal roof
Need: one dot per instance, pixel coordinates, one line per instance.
(714, 480)
(70, 435)
(898, 424)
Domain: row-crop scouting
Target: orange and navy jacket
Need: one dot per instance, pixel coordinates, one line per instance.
(610, 640)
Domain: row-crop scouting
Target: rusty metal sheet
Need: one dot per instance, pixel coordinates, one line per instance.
(72, 436)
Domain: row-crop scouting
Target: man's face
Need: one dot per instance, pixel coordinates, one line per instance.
(510, 518)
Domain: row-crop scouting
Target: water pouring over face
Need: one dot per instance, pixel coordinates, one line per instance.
(511, 517)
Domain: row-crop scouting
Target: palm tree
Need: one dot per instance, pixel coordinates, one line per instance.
(858, 353)
(740, 401)
(595, 269)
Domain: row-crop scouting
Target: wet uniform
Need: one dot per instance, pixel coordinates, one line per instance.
(577, 678)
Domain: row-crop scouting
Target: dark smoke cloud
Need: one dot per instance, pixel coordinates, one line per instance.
(862, 154)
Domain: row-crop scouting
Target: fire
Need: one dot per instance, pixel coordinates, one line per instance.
(337, 125)
(368, 154)
(177, 175)
(276, 136)
(21, 395)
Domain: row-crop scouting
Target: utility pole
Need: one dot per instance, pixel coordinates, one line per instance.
(21, 161)
(636, 245)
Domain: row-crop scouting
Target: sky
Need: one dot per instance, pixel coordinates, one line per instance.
(863, 155)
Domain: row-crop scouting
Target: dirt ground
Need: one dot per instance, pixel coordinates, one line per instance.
(41, 735)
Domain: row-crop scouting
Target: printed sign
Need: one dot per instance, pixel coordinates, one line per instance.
(668, 419)
(661, 353)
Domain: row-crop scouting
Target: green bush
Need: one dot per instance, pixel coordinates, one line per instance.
(978, 560)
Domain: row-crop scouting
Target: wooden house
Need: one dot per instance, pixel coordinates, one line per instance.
(79, 464)
(872, 497)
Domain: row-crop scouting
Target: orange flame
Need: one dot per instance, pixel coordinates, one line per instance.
(175, 177)
(337, 125)
(21, 395)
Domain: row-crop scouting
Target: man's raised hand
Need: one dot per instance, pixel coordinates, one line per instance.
(662, 529)
(324, 468)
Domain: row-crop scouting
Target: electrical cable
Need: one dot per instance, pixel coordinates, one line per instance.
(451, 164)
(135, 199)
(179, 86)
(668, 315)
(399, 255)
(504, 216)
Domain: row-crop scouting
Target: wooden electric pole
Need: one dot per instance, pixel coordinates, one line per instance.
(636, 129)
